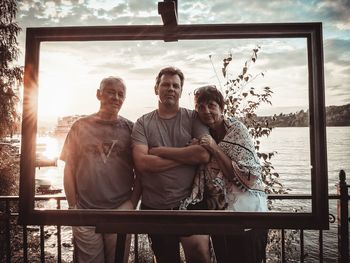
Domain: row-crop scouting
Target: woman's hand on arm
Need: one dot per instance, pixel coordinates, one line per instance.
(222, 159)
(209, 143)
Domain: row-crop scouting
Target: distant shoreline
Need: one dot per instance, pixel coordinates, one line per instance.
(336, 116)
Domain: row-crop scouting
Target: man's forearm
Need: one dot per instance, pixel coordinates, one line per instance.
(153, 164)
(69, 186)
(193, 154)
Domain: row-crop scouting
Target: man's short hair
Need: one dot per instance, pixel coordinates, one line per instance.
(170, 71)
(111, 80)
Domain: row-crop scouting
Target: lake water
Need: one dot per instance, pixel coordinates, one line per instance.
(292, 162)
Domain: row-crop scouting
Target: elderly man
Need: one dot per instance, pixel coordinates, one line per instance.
(168, 165)
(98, 171)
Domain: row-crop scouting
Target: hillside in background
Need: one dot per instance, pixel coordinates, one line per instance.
(335, 116)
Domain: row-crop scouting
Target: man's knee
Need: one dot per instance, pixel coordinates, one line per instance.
(88, 246)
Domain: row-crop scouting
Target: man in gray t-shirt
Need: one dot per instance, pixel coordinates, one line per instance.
(167, 164)
(166, 188)
(100, 151)
(98, 171)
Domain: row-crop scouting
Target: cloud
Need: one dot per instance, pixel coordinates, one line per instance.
(63, 13)
(333, 87)
(254, 11)
(336, 11)
(285, 59)
(119, 9)
(143, 59)
(337, 98)
(144, 5)
(333, 13)
(337, 69)
(337, 51)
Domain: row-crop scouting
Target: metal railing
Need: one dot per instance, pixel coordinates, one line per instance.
(8, 221)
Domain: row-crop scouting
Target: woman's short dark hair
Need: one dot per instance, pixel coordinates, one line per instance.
(208, 93)
(170, 71)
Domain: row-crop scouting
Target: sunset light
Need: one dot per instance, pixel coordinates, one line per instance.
(51, 150)
(262, 155)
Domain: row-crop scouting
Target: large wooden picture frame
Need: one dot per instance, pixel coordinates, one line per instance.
(179, 222)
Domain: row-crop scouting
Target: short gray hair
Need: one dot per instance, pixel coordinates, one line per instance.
(110, 80)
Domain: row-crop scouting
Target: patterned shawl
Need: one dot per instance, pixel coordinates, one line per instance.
(211, 184)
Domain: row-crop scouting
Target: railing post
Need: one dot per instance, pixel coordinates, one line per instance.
(343, 217)
(42, 244)
(136, 248)
(25, 244)
(283, 249)
(320, 241)
(120, 248)
(59, 248)
(8, 232)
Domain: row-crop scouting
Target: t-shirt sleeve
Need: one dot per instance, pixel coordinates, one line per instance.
(138, 135)
(70, 146)
(198, 128)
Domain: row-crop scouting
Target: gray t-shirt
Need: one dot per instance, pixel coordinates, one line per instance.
(100, 153)
(165, 190)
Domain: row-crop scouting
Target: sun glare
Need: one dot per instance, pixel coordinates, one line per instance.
(47, 147)
(51, 101)
(64, 88)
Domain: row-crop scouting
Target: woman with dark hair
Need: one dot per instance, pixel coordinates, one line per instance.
(231, 180)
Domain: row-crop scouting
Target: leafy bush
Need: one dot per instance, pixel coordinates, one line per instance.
(242, 100)
(10, 80)
(9, 170)
(10, 76)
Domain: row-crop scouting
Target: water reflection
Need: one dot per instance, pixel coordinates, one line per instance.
(49, 171)
(47, 147)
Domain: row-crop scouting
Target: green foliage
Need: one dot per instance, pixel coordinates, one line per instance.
(10, 79)
(9, 170)
(10, 75)
(242, 100)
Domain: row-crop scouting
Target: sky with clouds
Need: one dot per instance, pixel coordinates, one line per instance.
(70, 72)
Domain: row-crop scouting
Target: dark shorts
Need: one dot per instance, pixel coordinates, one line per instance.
(165, 247)
(244, 247)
